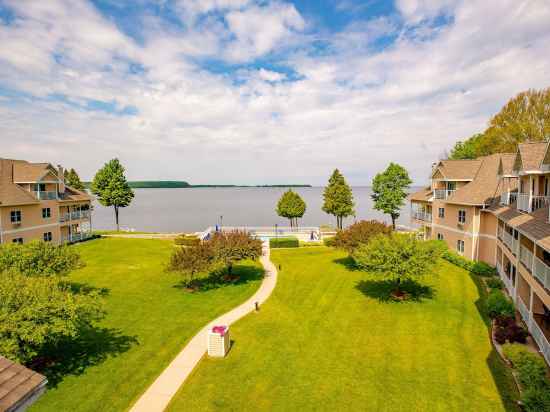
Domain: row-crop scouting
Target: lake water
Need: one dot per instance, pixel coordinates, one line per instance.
(194, 209)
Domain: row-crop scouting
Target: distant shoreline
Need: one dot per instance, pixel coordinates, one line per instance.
(180, 184)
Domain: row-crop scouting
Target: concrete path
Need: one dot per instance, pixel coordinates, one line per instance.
(144, 235)
(159, 394)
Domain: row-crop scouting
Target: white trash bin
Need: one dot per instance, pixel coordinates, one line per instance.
(218, 341)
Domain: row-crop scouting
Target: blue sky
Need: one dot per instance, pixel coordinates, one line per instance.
(260, 91)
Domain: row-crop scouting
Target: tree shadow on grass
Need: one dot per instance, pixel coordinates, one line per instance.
(502, 375)
(348, 262)
(382, 290)
(242, 274)
(92, 346)
(84, 288)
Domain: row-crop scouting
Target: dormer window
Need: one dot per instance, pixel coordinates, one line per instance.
(39, 187)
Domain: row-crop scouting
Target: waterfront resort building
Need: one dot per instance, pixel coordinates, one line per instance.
(496, 209)
(35, 204)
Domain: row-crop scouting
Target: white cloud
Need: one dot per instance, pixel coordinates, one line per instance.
(355, 107)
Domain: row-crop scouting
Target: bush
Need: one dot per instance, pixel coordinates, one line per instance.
(530, 366)
(499, 305)
(536, 399)
(495, 283)
(329, 241)
(283, 242)
(187, 240)
(477, 268)
(359, 233)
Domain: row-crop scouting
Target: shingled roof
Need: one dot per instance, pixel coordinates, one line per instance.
(423, 195)
(25, 172)
(457, 169)
(19, 386)
(10, 193)
(530, 156)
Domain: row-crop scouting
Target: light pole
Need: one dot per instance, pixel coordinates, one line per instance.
(221, 223)
(276, 232)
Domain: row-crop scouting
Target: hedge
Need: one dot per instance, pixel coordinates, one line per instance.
(281, 242)
(531, 370)
(477, 268)
(499, 305)
(187, 240)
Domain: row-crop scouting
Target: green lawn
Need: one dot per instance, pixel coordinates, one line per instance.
(328, 340)
(149, 320)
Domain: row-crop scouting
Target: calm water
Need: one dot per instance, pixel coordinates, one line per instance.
(190, 210)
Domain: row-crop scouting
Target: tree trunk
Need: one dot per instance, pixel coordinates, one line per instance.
(116, 218)
(230, 268)
(393, 221)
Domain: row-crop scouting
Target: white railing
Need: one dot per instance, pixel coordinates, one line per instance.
(524, 312)
(76, 215)
(507, 198)
(515, 246)
(538, 202)
(541, 340)
(46, 195)
(509, 241)
(542, 273)
(526, 257)
(523, 202)
(442, 193)
(75, 237)
(506, 280)
(420, 215)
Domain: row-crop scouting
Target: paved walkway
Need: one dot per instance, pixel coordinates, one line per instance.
(159, 394)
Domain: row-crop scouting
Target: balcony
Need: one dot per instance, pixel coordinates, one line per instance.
(509, 241)
(540, 337)
(526, 257)
(443, 194)
(529, 204)
(75, 215)
(507, 281)
(508, 198)
(523, 311)
(46, 195)
(421, 215)
(75, 237)
(542, 273)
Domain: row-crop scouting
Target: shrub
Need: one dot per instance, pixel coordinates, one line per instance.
(187, 240)
(495, 283)
(283, 242)
(530, 366)
(536, 400)
(499, 305)
(482, 269)
(477, 268)
(39, 259)
(358, 233)
(329, 241)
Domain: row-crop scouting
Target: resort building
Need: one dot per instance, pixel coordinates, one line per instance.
(496, 209)
(35, 204)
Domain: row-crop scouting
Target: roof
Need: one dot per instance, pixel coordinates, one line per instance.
(73, 195)
(25, 172)
(423, 195)
(535, 224)
(485, 185)
(458, 169)
(10, 193)
(507, 162)
(531, 156)
(18, 385)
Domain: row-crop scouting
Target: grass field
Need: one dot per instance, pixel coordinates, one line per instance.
(328, 339)
(149, 320)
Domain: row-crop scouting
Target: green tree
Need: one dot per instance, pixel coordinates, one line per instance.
(39, 259)
(111, 187)
(291, 206)
(230, 247)
(338, 198)
(389, 190)
(38, 312)
(191, 260)
(359, 233)
(469, 149)
(397, 256)
(73, 180)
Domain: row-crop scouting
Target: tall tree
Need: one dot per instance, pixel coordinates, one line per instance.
(397, 256)
(389, 190)
(73, 180)
(111, 187)
(359, 233)
(338, 198)
(230, 247)
(526, 117)
(291, 206)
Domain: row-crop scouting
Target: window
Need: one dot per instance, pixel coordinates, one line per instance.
(48, 237)
(441, 213)
(15, 216)
(18, 240)
(460, 246)
(46, 213)
(39, 187)
(461, 216)
(439, 236)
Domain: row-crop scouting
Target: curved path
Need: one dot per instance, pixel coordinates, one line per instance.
(163, 389)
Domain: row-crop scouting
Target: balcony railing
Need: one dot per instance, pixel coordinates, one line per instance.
(523, 202)
(528, 203)
(46, 195)
(538, 202)
(526, 257)
(76, 215)
(508, 240)
(541, 340)
(75, 237)
(524, 312)
(442, 193)
(420, 215)
(542, 273)
(507, 198)
(507, 281)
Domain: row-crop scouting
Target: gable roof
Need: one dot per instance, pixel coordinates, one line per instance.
(10, 193)
(506, 165)
(457, 169)
(24, 172)
(423, 195)
(530, 156)
(18, 385)
(485, 185)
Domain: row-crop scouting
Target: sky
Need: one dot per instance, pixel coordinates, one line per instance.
(260, 91)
